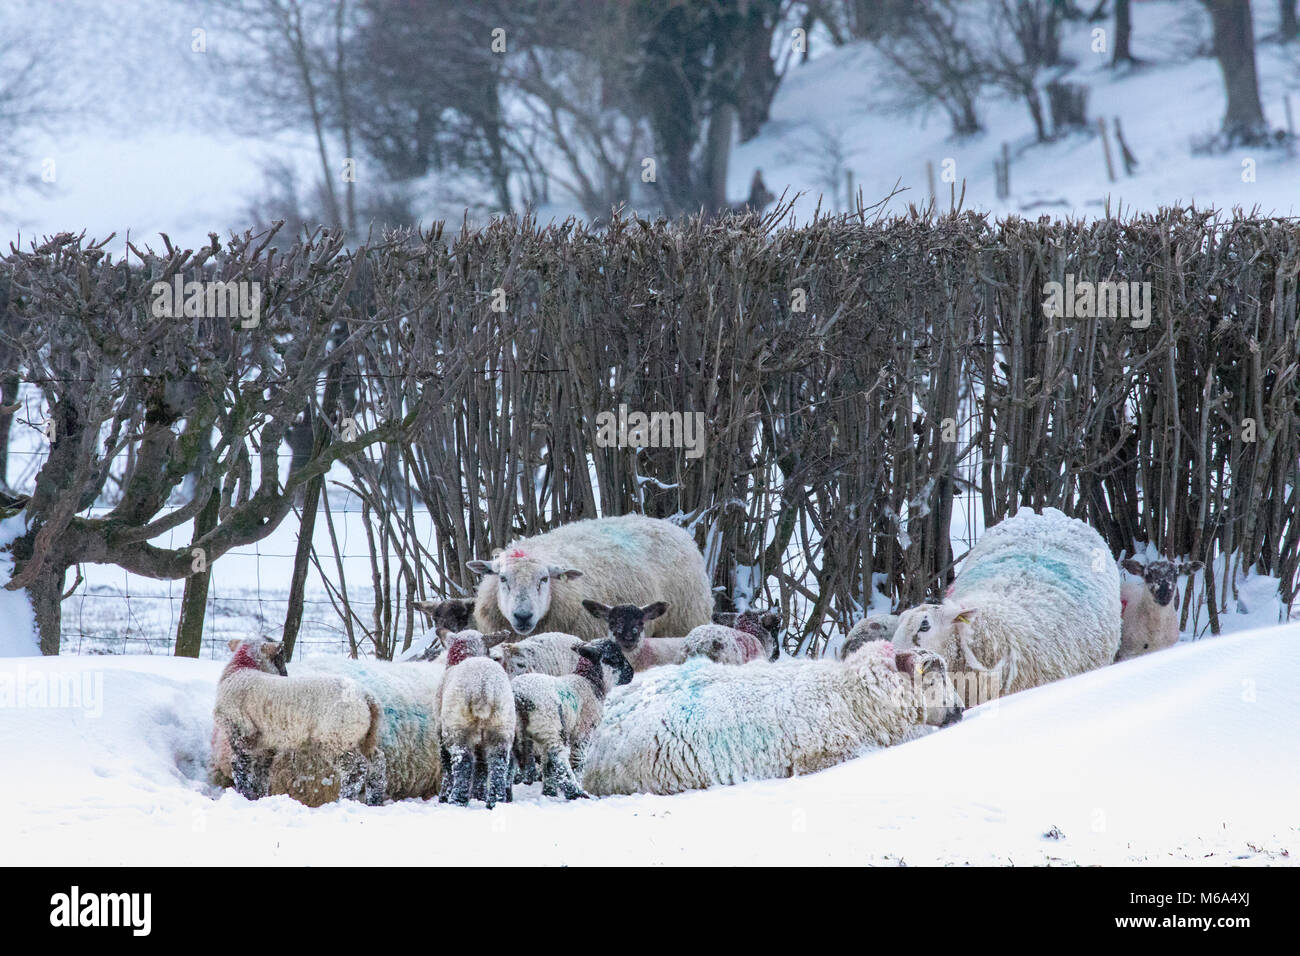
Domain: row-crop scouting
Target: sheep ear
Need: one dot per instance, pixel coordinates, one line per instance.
(444, 636)
(479, 566)
(652, 611)
(1191, 567)
(495, 638)
(961, 614)
(271, 648)
(905, 661)
(1133, 566)
(233, 643)
(428, 607)
(589, 652)
(596, 609)
(568, 574)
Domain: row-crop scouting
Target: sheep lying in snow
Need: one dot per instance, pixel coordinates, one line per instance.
(476, 710)
(260, 712)
(764, 625)
(703, 724)
(1037, 599)
(540, 582)
(874, 627)
(556, 716)
(1149, 607)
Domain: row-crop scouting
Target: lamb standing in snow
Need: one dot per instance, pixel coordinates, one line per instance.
(1150, 606)
(1037, 599)
(765, 625)
(476, 722)
(874, 627)
(260, 711)
(556, 716)
(540, 582)
(703, 724)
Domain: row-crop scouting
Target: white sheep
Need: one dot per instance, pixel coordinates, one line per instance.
(723, 644)
(704, 724)
(476, 722)
(259, 712)
(1149, 607)
(765, 625)
(556, 716)
(541, 581)
(1036, 600)
(550, 653)
(873, 627)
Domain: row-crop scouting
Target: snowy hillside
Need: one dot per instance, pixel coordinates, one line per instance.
(186, 171)
(1185, 756)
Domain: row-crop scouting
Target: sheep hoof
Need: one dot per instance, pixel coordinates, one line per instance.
(579, 795)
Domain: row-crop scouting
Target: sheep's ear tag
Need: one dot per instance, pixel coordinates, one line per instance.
(964, 616)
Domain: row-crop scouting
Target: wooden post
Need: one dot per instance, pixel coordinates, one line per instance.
(1105, 145)
(1006, 170)
(929, 173)
(1126, 154)
(1290, 124)
(848, 188)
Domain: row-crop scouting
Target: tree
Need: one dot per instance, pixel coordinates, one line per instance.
(1289, 26)
(202, 398)
(1123, 34)
(1034, 29)
(1234, 47)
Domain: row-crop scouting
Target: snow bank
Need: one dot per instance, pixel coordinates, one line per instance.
(18, 637)
(1185, 756)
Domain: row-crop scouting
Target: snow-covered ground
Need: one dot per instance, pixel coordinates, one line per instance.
(1188, 756)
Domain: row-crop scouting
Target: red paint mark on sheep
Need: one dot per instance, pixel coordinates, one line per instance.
(243, 659)
(517, 553)
(461, 649)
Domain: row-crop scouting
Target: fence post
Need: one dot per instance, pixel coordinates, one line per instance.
(1105, 145)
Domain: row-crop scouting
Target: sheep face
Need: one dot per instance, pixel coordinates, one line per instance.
(943, 705)
(626, 622)
(607, 652)
(765, 626)
(455, 614)
(259, 654)
(1161, 577)
(936, 627)
(523, 587)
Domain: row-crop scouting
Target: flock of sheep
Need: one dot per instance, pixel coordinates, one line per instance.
(591, 659)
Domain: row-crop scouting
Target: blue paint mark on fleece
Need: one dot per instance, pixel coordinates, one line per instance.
(1000, 565)
(621, 536)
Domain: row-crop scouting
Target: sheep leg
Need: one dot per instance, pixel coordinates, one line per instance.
(498, 766)
(527, 765)
(479, 789)
(251, 767)
(462, 773)
(550, 773)
(444, 792)
(564, 774)
(376, 782)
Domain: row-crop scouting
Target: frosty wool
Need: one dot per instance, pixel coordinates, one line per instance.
(874, 627)
(540, 582)
(556, 716)
(765, 625)
(1036, 600)
(1149, 607)
(258, 713)
(703, 724)
(476, 723)
(550, 653)
(724, 645)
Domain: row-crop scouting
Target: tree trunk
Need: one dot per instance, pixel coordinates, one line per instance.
(1289, 27)
(189, 632)
(1123, 33)
(46, 594)
(1234, 46)
(718, 157)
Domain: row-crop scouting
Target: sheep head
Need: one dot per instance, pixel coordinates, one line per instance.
(606, 652)
(523, 586)
(259, 654)
(1161, 577)
(942, 703)
(454, 614)
(463, 645)
(626, 622)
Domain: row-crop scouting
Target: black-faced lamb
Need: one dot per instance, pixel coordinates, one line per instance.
(557, 715)
(626, 626)
(1149, 606)
(539, 583)
(704, 724)
(1036, 600)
